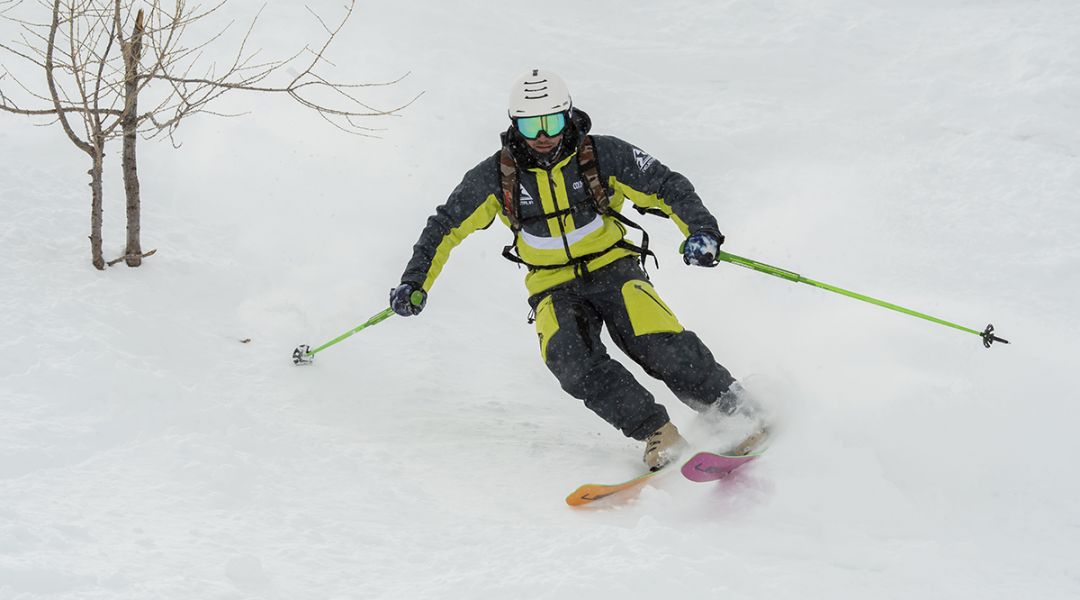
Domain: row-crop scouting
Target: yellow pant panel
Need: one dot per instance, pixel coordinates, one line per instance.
(648, 313)
(547, 324)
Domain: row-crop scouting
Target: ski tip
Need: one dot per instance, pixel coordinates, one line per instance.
(578, 498)
(706, 466)
(591, 492)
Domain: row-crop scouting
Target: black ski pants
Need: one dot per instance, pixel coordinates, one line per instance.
(569, 319)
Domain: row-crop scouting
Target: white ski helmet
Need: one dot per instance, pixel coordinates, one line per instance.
(537, 93)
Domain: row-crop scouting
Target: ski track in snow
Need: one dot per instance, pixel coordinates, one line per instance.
(924, 153)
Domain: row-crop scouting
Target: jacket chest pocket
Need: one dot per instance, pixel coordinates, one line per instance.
(578, 197)
(555, 202)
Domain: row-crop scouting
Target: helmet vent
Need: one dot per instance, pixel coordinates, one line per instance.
(538, 92)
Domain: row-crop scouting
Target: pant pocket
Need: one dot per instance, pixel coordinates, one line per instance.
(547, 324)
(647, 312)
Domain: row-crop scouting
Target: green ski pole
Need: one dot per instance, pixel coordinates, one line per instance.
(987, 334)
(305, 355)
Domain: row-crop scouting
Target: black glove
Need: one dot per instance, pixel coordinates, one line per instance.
(701, 248)
(408, 299)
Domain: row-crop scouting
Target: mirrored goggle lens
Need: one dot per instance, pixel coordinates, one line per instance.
(552, 125)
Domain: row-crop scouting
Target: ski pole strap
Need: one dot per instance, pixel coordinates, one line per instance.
(987, 334)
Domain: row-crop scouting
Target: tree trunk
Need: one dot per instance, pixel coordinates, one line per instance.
(96, 207)
(130, 122)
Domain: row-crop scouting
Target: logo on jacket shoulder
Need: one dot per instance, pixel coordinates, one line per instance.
(526, 199)
(644, 161)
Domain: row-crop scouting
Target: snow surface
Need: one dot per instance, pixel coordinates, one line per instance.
(925, 152)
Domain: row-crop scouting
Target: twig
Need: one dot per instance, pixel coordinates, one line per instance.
(125, 257)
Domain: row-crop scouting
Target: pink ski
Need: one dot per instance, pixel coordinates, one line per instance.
(706, 466)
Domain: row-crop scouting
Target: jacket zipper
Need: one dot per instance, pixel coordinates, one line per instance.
(559, 219)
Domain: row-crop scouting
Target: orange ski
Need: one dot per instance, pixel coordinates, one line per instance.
(591, 492)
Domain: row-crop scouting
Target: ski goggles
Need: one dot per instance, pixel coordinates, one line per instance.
(530, 127)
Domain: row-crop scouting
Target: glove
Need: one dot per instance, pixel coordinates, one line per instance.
(408, 299)
(700, 249)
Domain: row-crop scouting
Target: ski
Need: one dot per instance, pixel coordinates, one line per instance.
(710, 466)
(706, 466)
(703, 466)
(591, 492)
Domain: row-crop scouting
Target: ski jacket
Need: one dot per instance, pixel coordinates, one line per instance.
(578, 229)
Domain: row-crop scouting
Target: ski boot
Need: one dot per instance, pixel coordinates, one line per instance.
(663, 446)
(740, 419)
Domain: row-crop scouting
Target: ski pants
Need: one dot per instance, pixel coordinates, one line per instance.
(569, 319)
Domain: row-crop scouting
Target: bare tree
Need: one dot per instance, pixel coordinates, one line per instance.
(40, 45)
(98, 74)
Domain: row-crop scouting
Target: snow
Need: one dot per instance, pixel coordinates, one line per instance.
(921, 152)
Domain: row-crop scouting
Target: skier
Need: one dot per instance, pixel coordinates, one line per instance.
(560, 191)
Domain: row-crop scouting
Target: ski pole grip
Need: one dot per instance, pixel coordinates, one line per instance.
(416, 298)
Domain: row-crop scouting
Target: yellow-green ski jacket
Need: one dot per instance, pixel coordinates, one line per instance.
(578, 230)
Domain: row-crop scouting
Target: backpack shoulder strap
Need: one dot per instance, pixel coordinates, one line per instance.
(508, 181)
(589, 168)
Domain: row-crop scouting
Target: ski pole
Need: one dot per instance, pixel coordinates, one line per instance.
(987, 334)
(304, 355)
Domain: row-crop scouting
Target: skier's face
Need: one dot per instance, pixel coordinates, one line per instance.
(544, 144)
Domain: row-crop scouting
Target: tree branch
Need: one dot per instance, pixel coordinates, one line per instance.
(62, 116)
(88, 67)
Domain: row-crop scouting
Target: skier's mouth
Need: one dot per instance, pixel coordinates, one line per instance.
(545, 144)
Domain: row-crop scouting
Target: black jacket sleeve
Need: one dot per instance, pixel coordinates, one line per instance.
(472, 205)
(645, 181)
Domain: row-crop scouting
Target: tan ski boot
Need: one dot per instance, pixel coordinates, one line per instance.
(663, 446)
(752, 443)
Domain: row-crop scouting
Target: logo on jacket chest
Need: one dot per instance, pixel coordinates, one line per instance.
(526, 198)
